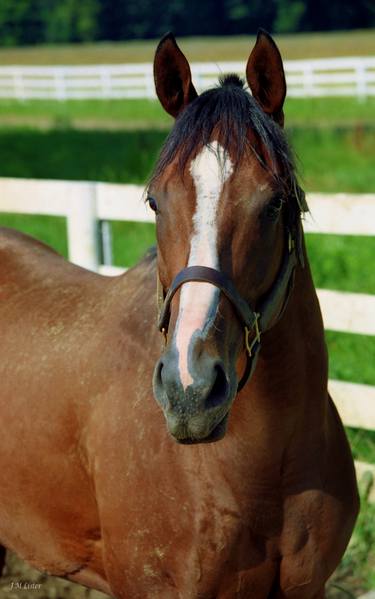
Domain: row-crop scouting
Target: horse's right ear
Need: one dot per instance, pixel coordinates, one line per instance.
(265, 76)
(172, 76)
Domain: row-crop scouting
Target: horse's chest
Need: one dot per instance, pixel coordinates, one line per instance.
(198, 549)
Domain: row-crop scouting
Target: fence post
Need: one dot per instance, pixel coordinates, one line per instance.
(19, 88)
(308, 81)
(105, 82)
(82, 229)
(106, 242)
(360, 72)
(59, 80)
(149, 86)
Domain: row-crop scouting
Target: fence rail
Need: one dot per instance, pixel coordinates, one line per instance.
(350, 76)
(85, 204)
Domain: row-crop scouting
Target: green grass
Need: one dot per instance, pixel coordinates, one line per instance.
(342, 262)
(130, 241)
(356, 573)
(71, 154)
(328, 112)
(49, 229)
(333, 160)
(135, 114)
(300, 45)
(363, 444)
(89, 114)
(351, 357)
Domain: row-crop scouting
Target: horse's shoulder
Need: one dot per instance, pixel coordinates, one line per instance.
(139, 282)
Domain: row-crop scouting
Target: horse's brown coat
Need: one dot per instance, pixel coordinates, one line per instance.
(92, 486)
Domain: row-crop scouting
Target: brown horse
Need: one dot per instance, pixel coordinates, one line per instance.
(93, 487)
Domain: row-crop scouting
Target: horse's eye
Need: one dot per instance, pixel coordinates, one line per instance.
(274, 207)
(152, 203)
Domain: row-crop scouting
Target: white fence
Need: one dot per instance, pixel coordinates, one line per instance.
(86, 204)
(350, 76)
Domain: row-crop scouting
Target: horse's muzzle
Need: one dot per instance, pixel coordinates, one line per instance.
(199, 412)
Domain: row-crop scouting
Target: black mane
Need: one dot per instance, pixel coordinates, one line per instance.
(232, 112)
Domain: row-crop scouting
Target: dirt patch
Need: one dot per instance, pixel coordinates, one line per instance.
(20, 581)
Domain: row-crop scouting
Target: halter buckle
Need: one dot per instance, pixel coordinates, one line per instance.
(249, 345)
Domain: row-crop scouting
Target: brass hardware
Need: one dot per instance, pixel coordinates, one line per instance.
(249, 345)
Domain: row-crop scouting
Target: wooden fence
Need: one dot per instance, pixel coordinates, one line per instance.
(86, 204)
(350, 76)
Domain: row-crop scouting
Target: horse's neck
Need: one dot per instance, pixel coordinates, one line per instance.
(299, 336)
(290, 379)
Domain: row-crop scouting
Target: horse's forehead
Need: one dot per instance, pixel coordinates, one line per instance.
(211, 168)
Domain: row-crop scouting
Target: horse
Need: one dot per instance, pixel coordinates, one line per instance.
(238, 481)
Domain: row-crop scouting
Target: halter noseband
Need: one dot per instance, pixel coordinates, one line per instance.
(258, 321)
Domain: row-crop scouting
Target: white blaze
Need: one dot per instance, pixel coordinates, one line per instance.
(210, 169)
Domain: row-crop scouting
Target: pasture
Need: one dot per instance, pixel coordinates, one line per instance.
(147, 114)
(118, 141)
(300, 45)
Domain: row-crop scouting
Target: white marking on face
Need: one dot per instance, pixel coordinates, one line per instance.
(210, 169)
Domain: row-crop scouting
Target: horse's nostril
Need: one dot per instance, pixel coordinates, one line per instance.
(219, 390)
(158, 373)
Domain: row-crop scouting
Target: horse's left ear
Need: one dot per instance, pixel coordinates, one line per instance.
(265, 76)
(172, 75)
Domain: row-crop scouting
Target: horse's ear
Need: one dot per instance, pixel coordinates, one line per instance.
(265, 76)
(172, 76)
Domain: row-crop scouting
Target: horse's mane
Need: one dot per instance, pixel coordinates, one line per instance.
(231, 112)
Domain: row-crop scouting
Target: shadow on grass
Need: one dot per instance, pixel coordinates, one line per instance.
(331, 159)
(122, 157)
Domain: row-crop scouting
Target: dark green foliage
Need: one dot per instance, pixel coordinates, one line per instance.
(26, 22)
(52, 21)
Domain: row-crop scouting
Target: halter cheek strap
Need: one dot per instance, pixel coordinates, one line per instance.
(257, 322)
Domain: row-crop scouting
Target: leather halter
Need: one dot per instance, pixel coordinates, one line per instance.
(268, 312)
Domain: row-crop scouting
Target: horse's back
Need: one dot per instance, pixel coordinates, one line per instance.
(24, 259)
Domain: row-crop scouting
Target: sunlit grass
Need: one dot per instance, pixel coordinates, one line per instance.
(342, 262)
(133, 114)
(88, 114)
(49, 229)
(335, 160)
(292, 46)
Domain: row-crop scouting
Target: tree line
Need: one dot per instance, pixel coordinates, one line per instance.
(24, 22)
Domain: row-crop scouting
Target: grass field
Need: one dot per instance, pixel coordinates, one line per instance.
(302, 45)
(339, 160)
(148, 114)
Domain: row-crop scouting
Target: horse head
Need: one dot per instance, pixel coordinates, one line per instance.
(227, 221)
